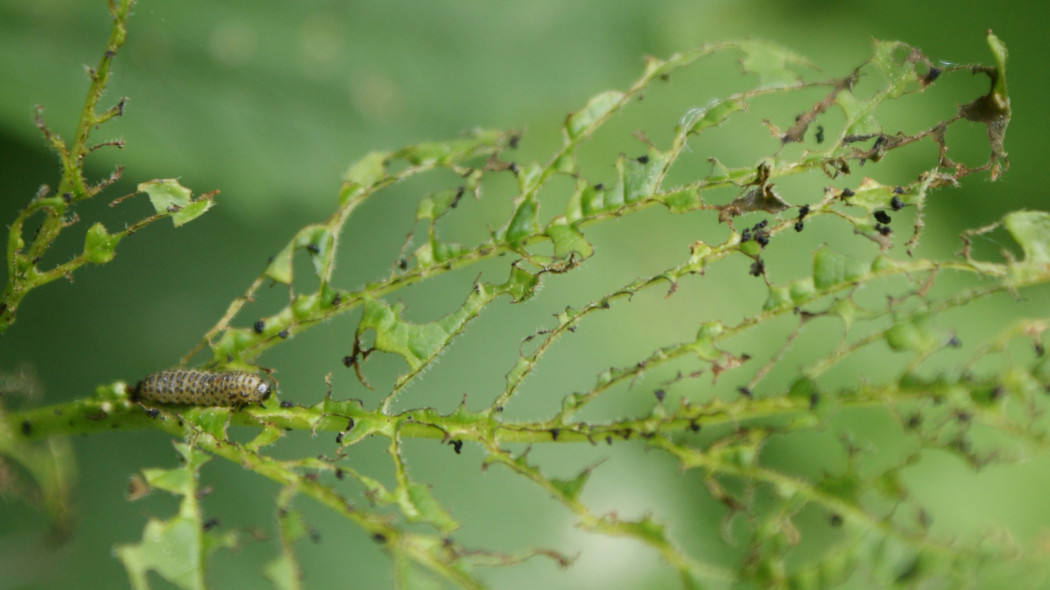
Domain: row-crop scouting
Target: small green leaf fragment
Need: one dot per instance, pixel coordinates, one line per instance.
(283, 572)
(647, 530)
(903, 337)
(831, 269)
(897, 62)
(168, 197)
(698, 253)
(191, 211)
(592, 200)
(871, 195)
(524, 223)
(770, 61)
(434, 206)
(166, 194)
(999, 51)
(641, 176)
(757, 198)
(99, 245)
(912, 333)
(280, 268)
(1031, 229)
(681, 200)
(710, 330)
(521, 285)
(804, 388)
(802, 289)
(176, 549)
(442, 251)
(846, 487)
(368, 170)
(860, 116)
(570, 488)
(416, 343)
(568, 240)
(704, 345)
(266, 437)
(750, 247)
(170, 548)
(427, 208)
(232, 342)
(597, 108)
(420, 505)
(529, 177)
(319, 241)
(305, 306)
(209, 420)
(985, 396)
(884, 263)
(714, 114)
(778, 297)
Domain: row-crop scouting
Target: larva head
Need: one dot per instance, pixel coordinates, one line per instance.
(247, 388)
(262, 390)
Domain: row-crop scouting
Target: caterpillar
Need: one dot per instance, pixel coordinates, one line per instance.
(201, 388)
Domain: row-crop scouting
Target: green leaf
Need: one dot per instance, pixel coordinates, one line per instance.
(568, 239)
(999, 52)
(182, 480)
(897, 62)
(524, 224)
(280, 268)
(587, 200)
(771, 62)
(872, 195)
(647, 530)
(99, 245)
(681, 200)
(714, 114)
(171, 198)
(570, 488)
(592, 113)
(1031, 229)
(443, 153)
(177, 548)
(319, 241)
(416, 343)
(368, 170)
(831, 269)
(521, 285)
(860, 115)
(419, 505)
(434, 206)
(434, 252)
(170, 548)
(914, 333)
(283, 572)
(639, 177)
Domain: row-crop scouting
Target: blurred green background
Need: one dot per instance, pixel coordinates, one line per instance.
(269, 102)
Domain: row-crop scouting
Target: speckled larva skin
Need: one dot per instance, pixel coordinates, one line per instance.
(202, 388)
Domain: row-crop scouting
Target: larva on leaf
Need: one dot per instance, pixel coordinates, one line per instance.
(201, 388)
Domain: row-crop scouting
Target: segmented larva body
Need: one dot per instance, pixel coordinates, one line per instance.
(202, 388)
